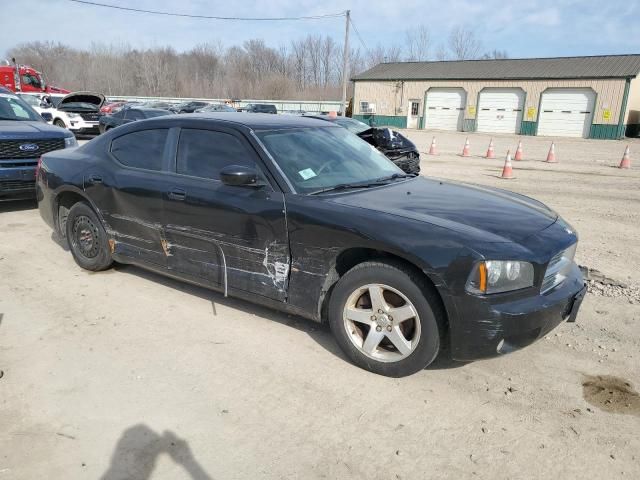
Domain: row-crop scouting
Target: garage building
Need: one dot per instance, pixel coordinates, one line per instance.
(590, 97)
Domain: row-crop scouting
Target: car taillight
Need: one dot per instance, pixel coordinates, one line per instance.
(38, 167)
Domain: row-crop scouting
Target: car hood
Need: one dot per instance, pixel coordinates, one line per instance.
(96, 99)
(387, 139)
(23, 130)
(489, 214)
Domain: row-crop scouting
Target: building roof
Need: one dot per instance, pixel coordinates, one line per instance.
(605, 66)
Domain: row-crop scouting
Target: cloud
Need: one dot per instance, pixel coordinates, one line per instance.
(549, 17)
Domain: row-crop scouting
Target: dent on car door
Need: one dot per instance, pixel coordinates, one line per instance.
(215, 230)
(128, 188)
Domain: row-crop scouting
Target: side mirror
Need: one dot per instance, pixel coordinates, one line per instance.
(239, 176)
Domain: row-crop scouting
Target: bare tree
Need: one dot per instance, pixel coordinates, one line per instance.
(418, 44)
(495, 54)
(464, 44)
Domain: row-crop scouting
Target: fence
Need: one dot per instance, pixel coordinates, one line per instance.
(290, 106)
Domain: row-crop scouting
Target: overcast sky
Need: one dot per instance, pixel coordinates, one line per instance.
(535, 28)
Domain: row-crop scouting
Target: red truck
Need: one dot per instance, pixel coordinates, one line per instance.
(24, 79)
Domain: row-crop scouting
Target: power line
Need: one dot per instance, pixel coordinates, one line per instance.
(358, 35)
(209, 17)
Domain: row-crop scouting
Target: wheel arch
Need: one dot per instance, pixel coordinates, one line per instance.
(350, 257)
(64, 200)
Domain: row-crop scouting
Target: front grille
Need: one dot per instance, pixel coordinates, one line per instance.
(90, 117)
(16, 185)
(11, 148)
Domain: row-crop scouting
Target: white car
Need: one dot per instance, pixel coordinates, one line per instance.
(36, 102)
(79, 112)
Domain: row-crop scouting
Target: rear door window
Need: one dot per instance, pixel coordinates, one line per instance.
(142, 149)
(203, 153)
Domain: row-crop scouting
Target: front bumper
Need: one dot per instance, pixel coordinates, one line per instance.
(83, 127)
(17, 182)
(497, 324)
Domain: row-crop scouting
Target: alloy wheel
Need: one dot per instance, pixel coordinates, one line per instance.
(382, 322)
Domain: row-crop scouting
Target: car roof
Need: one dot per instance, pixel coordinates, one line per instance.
(149, 109)
(256, 121)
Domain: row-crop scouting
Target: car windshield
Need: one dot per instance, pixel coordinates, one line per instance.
(14, 108)
(319, 158)
(31, 100)
(56, 100)
(354, 126)
(80, 106)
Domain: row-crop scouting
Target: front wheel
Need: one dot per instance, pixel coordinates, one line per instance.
(59, 123)
(386, 319)
(87, 238)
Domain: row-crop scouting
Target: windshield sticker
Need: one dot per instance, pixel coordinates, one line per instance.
(307, 173)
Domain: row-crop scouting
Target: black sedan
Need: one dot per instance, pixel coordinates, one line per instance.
(189, 107)
(398, 148)
(303, 216)
(127, 115)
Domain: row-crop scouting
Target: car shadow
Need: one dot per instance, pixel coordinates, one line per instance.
(318, 332)
(17, 205)
(138, 449)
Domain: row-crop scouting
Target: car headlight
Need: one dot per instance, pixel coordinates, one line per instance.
(73, 115)
(497, 276)
(70, 142)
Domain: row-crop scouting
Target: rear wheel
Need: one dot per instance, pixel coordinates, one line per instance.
(87, 238)
(382, 317)
(59, 123)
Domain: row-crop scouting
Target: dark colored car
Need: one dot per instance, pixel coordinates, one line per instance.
(259, 108)
(157, 104)
(127, 115)
(189, 107)
(24, 136)
(303, 216)
(398, 148)
(216, 107)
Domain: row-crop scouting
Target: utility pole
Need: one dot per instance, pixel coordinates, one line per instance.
(345, 64)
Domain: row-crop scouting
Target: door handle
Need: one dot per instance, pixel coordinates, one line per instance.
(177, 194)
(94, 179)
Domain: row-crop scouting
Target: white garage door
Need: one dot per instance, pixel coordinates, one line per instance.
(566, 112)
(445, 108)
(500, 110)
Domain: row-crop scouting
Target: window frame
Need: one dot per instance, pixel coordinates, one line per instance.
(263, 171)
(168, 143)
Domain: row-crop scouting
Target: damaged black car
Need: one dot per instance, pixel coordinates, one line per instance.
(398, 148)
(304, 216)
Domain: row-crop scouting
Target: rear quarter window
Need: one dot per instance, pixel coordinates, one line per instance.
(142, 149)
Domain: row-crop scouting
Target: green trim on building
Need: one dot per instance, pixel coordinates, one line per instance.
(528, 128)
(468, 124)
(383, 120)
(623, 108)
(606, 132)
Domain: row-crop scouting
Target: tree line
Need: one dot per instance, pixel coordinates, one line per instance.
(309, 68)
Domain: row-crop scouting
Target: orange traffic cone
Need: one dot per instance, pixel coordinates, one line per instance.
(507, 171)
(432, 148)
(465, 150)
(626, 159)
(551, 156)
(490, 152)
(518, 151)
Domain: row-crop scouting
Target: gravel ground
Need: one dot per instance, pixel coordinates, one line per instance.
(128, 375)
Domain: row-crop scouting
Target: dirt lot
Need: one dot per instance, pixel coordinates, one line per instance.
(128, 375)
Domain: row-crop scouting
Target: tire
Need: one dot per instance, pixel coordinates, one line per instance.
(420, 322)
(59, 123)
(87, 238)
